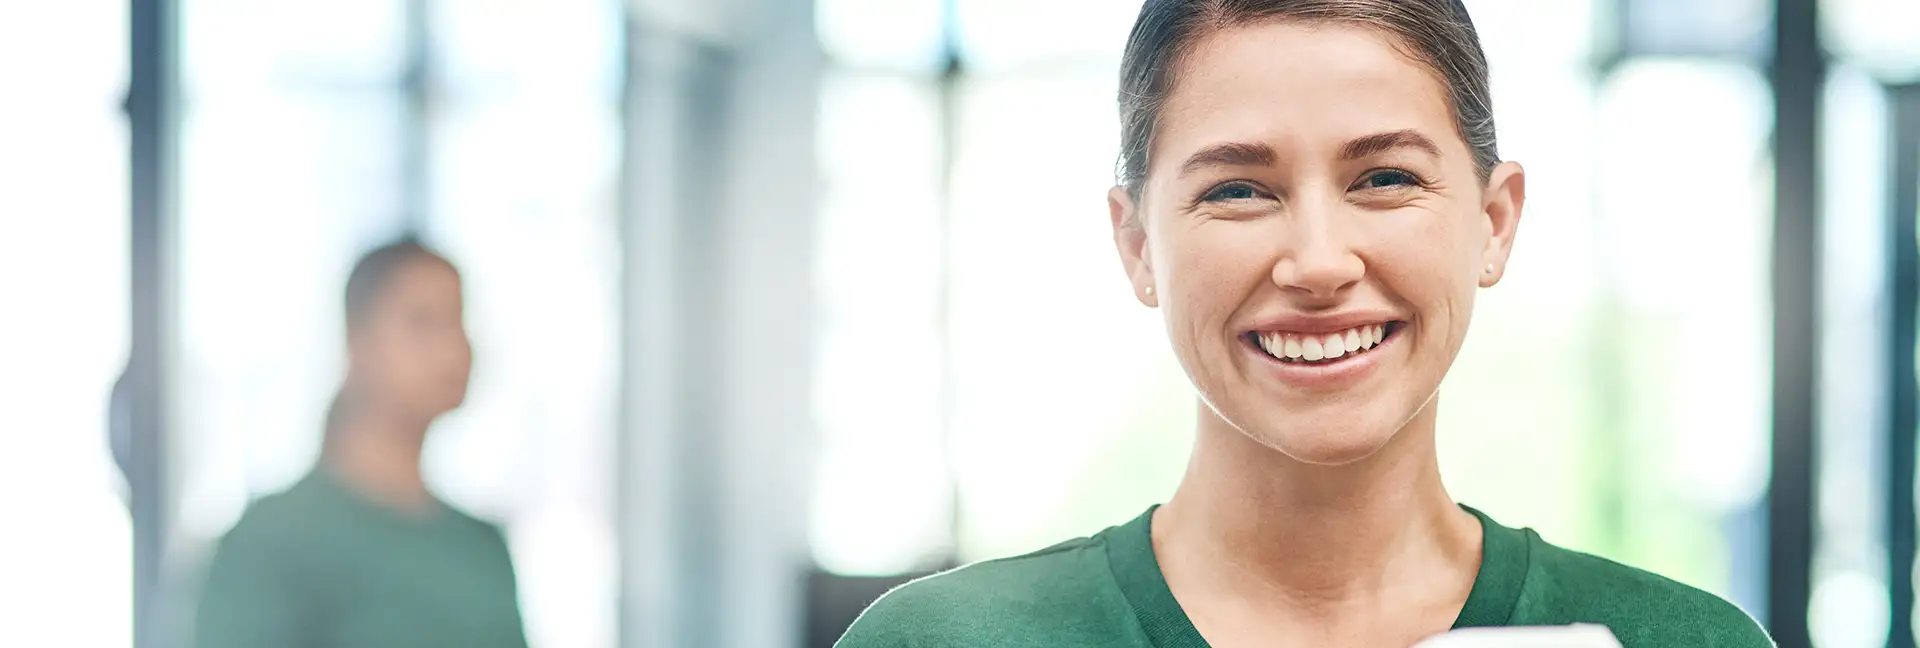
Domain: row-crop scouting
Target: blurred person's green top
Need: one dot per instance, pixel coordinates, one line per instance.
(318, 566)
(1107, 591)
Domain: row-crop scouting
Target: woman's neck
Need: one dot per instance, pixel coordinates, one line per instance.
(1265, 537)
(380, 459)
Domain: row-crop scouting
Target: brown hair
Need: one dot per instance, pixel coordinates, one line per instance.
(1435, 32)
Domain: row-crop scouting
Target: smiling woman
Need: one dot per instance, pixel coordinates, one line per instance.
(1311, 193)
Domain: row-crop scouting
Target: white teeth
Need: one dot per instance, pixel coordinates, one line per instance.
(1328, 346)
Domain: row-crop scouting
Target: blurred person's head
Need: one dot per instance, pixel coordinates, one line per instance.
(408, 357)
(1311, 192)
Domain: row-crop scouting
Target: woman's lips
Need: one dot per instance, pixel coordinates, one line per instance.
(1292, 366)
(1321, 347)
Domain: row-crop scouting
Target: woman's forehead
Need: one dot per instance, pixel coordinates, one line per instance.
(1291, 84)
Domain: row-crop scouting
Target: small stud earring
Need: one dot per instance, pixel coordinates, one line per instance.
(1149, 291)
(1490, 269)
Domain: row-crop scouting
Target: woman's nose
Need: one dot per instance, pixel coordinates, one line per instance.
(1317, 259)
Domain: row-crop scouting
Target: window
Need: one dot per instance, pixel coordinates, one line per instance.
(68, 549)
(1881, 37)
(883, 500)
(1070, 412)
(523, 164)
(286, 175)
(1850, 606)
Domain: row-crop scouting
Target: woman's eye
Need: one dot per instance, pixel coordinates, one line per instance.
(1230, 192)
(1388, 179)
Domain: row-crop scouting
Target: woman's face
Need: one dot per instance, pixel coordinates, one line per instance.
(1314, 230)
(411, 351)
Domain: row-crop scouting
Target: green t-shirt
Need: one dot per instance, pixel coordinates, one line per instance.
(317, 566)
(1107, 590)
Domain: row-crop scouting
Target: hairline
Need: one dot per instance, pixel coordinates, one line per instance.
(1211, 24)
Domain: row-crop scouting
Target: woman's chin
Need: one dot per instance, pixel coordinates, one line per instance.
(1323, 432)
(1325, 445)
(1329, 449)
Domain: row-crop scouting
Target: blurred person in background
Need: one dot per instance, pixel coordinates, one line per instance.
(360, 553)
(1311, 192)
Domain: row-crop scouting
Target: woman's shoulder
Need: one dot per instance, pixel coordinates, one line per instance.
(1048, 596)
(291, 512)
(1642, 608)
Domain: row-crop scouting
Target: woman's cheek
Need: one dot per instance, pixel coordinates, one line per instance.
(1212, 272)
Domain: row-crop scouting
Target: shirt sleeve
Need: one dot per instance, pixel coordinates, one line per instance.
(908, 618)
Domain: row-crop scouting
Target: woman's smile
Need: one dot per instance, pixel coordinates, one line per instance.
(1323, 358)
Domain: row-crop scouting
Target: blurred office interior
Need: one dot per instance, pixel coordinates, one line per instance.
(778, 302)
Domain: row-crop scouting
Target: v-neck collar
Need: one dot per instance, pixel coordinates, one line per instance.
(1491, 602)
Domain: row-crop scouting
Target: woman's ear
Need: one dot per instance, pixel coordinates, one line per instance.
(1130, 238)
(1505, 198)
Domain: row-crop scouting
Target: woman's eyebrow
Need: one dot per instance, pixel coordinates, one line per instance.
(1252, 154)
(1377, 143)
(1255, 154)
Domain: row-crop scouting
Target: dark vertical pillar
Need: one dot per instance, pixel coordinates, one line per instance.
(150, 115)
(1797, 74)
(625, 480)
(698, 82)
(1904, 289)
